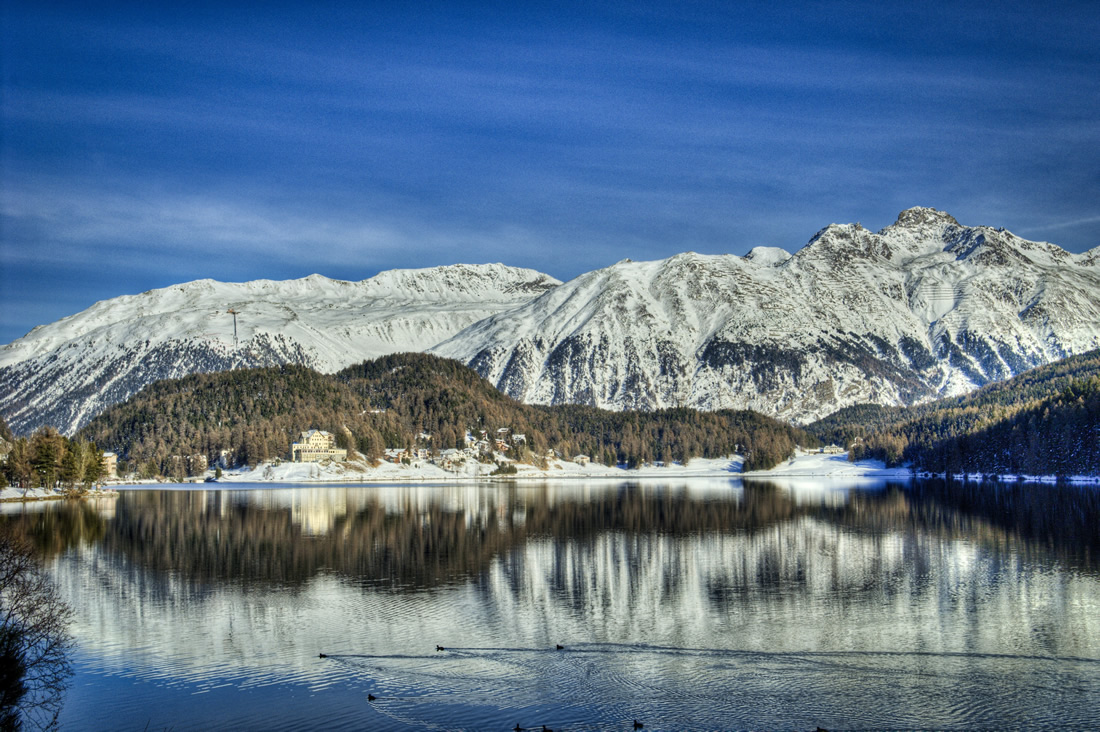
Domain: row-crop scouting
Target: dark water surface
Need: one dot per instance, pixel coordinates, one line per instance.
(700, 605)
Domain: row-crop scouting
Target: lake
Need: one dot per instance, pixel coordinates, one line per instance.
(698, 605)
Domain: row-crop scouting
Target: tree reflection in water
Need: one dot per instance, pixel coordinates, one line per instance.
(708, 591)
(422, 537)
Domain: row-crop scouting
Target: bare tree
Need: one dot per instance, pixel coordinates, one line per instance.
(34, 638)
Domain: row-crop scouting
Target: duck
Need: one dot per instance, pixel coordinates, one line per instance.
(371, 697)
(321, 655)
(440, 648)
(561, 647)
(638, 725)
(517, 728)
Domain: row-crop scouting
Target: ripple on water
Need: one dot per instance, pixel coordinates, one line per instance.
(593, 685)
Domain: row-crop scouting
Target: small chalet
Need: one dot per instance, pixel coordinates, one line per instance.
(451, 459)
(397, 454)
(582, 460)
(316, 445)
(110, 465)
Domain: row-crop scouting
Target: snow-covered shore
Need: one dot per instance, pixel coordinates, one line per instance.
(9, 494)
(802, 465)
(421, 472)
(804, 469)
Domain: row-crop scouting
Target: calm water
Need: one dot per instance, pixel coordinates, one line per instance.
(705, 605)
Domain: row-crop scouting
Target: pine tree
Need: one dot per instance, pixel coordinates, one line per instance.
(18, 469)
(47, 449)
(71, 471)
(95, 467)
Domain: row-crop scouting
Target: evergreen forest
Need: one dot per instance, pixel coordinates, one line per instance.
(48, 459)
(1045, 421)
(409, 401)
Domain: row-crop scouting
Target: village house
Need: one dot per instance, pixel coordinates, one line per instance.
(582, 460)
(397, 455)
(451, 459)
(110, 465)
(316, 445)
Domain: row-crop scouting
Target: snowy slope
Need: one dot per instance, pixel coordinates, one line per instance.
(923, 308)
(64, 373)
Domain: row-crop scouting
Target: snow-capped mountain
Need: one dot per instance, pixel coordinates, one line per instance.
(924, 308)
(65, 373)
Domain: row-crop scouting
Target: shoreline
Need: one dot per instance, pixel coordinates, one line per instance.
(803, 466)
(15, 495)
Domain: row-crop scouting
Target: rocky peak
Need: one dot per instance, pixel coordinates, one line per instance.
(1091, 258)
(919, 216)
(840, 244)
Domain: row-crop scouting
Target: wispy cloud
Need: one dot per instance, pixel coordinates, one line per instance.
(154, 143)
(183, 233)
(1057, 225)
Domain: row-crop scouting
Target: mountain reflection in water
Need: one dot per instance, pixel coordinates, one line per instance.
(716, 605)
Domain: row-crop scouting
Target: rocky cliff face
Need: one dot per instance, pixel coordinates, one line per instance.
(923, 308)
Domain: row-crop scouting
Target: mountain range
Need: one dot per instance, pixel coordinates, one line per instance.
(923, 308)
(65, 373)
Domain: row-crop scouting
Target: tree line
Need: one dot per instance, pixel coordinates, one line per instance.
(48, 459)
(252, 415)
(1045, 421)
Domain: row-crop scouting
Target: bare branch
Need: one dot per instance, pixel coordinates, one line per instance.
(34, 639)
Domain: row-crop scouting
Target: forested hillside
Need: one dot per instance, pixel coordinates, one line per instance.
(394, 401)
(253, 413)
(1045, 421)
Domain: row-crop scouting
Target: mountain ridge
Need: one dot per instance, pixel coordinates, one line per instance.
(65, 372)
(923, 308)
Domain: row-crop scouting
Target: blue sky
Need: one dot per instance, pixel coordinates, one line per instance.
(145, 144)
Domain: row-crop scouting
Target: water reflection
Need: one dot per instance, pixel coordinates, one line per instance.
(696, 605)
